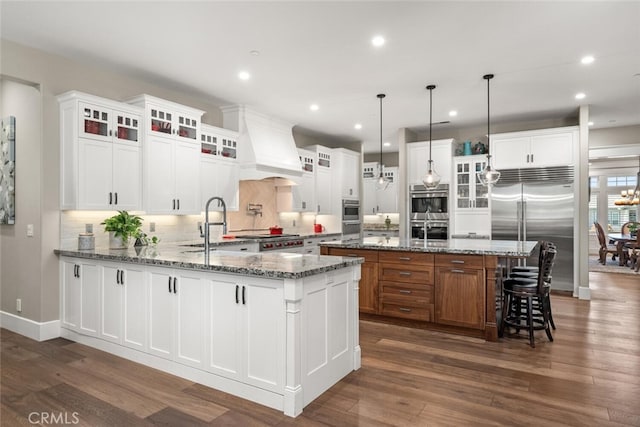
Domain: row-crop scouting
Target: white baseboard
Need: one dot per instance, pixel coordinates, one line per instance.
(39, 331)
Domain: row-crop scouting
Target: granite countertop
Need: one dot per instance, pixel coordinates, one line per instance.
(453, 246)
(272, 265)
(217, 242)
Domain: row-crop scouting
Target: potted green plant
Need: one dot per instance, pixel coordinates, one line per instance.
(633, 228)
(121, 228)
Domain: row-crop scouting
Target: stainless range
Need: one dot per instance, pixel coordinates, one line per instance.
(276, 242)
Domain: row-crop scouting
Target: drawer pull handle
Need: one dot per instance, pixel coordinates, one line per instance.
(457, 261)
(404, 291)
(406, 310)
(404, 258)
(352, 255)
(457, 271)
(405, 273)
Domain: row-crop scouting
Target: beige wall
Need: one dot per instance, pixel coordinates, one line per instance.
(20, 272)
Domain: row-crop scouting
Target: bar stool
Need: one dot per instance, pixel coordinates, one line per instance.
(531, 272)
(519, 296)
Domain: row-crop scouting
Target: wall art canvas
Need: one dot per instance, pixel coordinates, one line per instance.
(8, 171)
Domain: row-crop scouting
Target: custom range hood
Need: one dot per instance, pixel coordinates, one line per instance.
(266, 148)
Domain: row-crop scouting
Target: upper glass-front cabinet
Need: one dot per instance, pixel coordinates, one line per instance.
(97, 122)
(167, 123)
(470, 192)
(218, 142)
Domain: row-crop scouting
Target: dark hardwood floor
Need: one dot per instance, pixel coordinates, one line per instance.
(589, 376)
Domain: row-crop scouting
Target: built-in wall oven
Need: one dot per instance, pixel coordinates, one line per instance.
(429, 212)
(351, 223)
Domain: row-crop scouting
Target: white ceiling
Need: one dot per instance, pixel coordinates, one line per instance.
(320, 52)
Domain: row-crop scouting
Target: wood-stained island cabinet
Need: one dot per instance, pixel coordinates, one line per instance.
(450, 292)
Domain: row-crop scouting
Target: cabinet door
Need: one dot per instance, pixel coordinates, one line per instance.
(208, 181)
(510, 153)
(189, 301)
(94, 122)
(303, 193)
(187, 179)
(95, 175)
(417, 159)
(111, 322)
(388, 198)
(350, 173)
(552, 150)
(134, 307)
(224, 326)
(370, 196)
(460, 297)
(161, 316)
(91, 283)
(159, 176)
(186, 127)
(323, 190)
(368, 296)
(70, 294)
(127, 174)
(263, 336)
(442, 160)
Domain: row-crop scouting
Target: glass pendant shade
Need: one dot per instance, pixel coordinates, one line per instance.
(382, 183)
(431, 179)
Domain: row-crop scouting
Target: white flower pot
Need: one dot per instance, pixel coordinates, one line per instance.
(116, 242)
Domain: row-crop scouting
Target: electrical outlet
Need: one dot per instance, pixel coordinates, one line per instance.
(152, 227)
(199, 225)
(29, 230)
(88, 228)
(19, 305)
(294, 223)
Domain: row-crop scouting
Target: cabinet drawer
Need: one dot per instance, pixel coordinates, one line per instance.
(406, 311)
(408, 291)
(405, 257)
(418, 274)
(460, 261)
(369, 256)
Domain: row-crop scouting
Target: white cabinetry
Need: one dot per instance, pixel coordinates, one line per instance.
(346, 164)
(171, 160)
(100, 152)
(219, 167)
(176, 315)
(418, 160)
(376, 200)
(81, 296)
(323, 187)
(246, 343)
(540, 148)
(123, 308)
(300, 197)
(472, 213)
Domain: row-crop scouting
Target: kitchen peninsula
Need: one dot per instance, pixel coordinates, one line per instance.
(452, 286)
(275, 328)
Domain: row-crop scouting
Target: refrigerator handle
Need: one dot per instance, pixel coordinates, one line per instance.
(519, 218)
(524, 220)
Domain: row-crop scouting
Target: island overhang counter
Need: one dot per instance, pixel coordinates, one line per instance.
(276, 328)
(452, 286)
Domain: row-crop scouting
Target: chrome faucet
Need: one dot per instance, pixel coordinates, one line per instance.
(206, 233)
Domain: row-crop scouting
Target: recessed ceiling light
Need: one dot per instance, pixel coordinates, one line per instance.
(377, 41)
(357, 126)
(453, 113)
(590, 123)
(387, 144)
(580, 95)
(244, 75)
(254, 52)
(587, 59)
(314, 107)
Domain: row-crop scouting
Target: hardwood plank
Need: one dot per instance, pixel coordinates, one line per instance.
(172, 417)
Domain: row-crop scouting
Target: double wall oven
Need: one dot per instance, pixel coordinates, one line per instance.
(428, 213)
(351, 223)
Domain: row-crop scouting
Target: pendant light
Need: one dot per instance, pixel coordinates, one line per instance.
(431, 179)
(488, 175)
(382, 182)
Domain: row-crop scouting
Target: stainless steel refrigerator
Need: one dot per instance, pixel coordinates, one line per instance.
(537, 204)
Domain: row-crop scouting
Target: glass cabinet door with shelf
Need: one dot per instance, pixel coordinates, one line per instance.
(161, 121)
(208, 144)
(94, 122)
(470, 192)
(187, 127)
(127, 127)
(229, 148)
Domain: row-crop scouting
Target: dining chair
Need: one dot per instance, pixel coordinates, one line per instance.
(605, 248)
(625, 227)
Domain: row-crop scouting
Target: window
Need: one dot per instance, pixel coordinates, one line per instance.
(617, 215)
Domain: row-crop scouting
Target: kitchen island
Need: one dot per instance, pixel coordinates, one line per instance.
(453, 286)
(275, 328)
